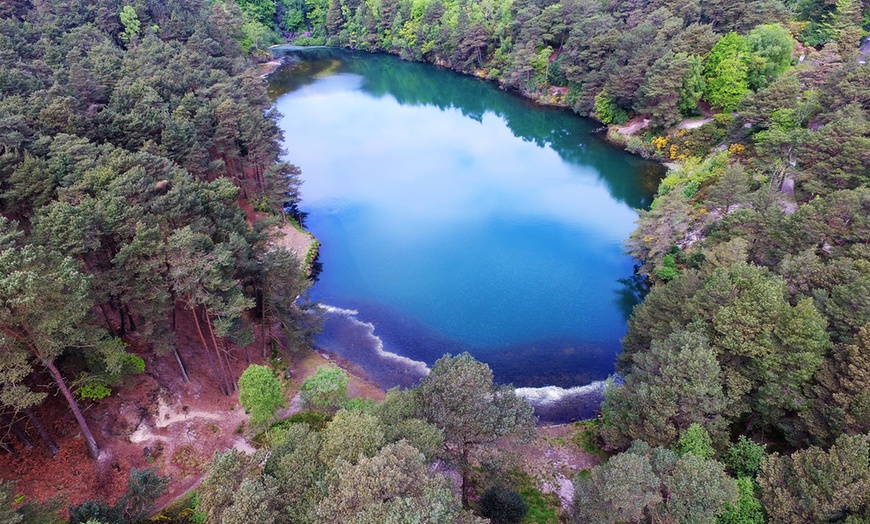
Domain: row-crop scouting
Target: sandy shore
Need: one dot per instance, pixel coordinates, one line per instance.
(268, 68)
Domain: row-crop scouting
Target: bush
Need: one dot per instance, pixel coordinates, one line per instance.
(503, 505)
(607, 111)
(744, 457)
(326, 390)
(260, 393)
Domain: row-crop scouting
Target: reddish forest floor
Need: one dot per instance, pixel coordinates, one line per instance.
(155, 420)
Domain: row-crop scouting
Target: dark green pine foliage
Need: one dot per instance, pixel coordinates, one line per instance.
(129, 134)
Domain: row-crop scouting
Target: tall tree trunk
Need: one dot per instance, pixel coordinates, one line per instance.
(181, 365)
(263, 325)
(221, 352)
(130, 317)
(18, 432)
(463, 470)
(108, 322)
(93, 449)
(52, 446)
(218, 374)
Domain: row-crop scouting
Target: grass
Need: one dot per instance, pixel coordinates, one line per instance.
(544, 508)
(586, 438)
(182, 511)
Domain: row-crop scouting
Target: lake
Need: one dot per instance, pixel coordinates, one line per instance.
(457, 217)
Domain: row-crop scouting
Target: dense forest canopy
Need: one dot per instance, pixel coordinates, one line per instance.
(128, 138)
(130, 132)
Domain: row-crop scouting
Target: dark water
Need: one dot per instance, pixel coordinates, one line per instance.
(456, 217)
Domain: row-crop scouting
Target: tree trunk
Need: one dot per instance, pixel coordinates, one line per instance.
(43, 434)
(108, 322)
(263, 334)
(18, 432)
(181, 365)
(463, 470)
(231, 380)
(93, 450)
(218, 374)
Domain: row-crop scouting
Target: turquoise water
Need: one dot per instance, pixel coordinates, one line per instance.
(457, 217)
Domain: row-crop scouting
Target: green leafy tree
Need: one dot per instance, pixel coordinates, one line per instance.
(697, 441)
(459, 397)
(729, 84)
(630, 487)
(727, 72)
(744, 457)
(771, 47)
(675, 385)
(260, 393)
(351, 436)
(46, 310)
(326, 390)
(295, 464)
(130, 21)
(607, 111)
(813, 485)
(395, 485)
(747, 509)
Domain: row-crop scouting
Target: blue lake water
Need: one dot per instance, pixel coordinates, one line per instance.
(456, 217)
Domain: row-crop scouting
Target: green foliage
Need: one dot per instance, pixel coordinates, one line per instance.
(586, 437)
(544, 508)
(676, 384)
(814, 485)
(326, 390)
(503, 505)
(728, 86)
(747, 509)
(771, 47)
(629, 488)
(607, 111)
(130, 21)
(697, 441)
(93, 391)
(8, 514)
(669, 270)
(260, 393)
(744, 457)
(351, 436)
(395, 485)
(459, 397)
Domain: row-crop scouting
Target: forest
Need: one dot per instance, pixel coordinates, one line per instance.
(133, 135)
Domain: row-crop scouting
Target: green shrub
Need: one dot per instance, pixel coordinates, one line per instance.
(326, 390)
(503, 505)
(260, 393)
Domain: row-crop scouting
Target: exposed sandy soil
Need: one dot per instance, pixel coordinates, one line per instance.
(293, 240)
(268, 68)
(554, 460)
(633, 126)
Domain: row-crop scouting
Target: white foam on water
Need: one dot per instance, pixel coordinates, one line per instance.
(326, 308)
(547, 395)
(377, 344)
